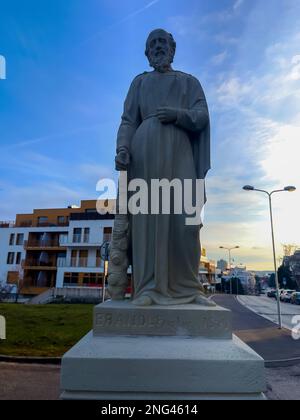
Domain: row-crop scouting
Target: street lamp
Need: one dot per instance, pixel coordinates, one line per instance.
(229, 254)
(105, 251)
(270, 194)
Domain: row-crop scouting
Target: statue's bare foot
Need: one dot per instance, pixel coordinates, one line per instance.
(201, 300)
(143, 301)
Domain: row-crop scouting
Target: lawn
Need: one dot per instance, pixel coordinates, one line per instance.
(44, 331)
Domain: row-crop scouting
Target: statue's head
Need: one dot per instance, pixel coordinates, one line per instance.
(160, 50)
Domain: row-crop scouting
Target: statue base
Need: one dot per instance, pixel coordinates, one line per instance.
(161, 353)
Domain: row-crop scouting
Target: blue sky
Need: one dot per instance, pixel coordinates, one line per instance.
(69, 66)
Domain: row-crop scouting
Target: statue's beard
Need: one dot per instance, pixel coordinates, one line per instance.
(161, 63)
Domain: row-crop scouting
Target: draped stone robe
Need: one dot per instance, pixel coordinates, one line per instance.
(166, 252)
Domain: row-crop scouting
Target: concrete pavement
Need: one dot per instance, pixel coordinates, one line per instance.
(34, 382)
(29, 382)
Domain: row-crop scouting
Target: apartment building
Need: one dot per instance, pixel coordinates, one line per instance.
(55, 248)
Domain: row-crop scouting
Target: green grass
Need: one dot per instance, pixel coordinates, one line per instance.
(44, 331)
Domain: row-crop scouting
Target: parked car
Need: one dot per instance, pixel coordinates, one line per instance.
(286, 296)
(295, 298)
(272, 293)
(281, 292)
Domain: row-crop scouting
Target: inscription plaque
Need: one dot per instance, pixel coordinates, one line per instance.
(122, 318)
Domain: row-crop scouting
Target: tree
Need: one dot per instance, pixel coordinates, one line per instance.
(272, 281)
(236, 284)
(285, 278)
(289, 249)
(258, 284)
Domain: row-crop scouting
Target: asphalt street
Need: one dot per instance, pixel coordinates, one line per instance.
(260, 334)
(267, 308)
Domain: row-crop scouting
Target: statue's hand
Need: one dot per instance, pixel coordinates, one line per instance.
(167, 115)
(122, 160)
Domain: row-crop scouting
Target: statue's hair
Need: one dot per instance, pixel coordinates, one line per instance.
(171, 40)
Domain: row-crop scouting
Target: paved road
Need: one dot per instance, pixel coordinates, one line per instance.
(259, 333)
(267, 308)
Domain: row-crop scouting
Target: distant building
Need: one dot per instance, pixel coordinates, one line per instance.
(246, 277)
(207, 270)
(55, 248)
(222, 265)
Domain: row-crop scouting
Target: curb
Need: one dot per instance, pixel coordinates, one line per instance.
(281, 363)
(54, 361)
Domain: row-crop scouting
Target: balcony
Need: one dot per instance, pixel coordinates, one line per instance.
(5, 225)
(77, 217)
(81, 241)
(48, 224)
(53, 244)
(38, 265)
(79, 263)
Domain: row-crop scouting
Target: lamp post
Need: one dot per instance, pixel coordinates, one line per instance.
(229, 254)
(105, 250)
(270, 194)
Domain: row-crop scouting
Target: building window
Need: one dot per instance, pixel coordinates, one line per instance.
(12, 277)
(86, 238)
(62, 220)
(74, 258)
(20, 239)
(83, 258)
(107, 234)
(10, 258)
(98, 258)
(19, 258)
(77, 232)
(92, 280)
(43, 220)
(71, 279)
(12, 239)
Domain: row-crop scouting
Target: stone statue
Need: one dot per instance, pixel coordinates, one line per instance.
(164, 134)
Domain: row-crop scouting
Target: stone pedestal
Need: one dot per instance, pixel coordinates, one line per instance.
(161, 353)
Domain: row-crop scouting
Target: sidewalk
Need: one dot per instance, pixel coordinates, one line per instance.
(29, 382)
(34, 382)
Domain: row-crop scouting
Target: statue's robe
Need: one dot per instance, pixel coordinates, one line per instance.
(165, 251)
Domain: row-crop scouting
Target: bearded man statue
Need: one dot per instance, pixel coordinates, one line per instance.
(164, 134)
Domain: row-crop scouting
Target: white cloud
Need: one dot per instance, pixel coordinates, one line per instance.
(294, 74)
(231, 91)
(219, 58)
(238, 4)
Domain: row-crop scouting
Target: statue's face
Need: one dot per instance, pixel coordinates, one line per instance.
(160, 53)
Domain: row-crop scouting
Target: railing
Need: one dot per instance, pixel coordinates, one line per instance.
(25, 224)
(6, 224)
(79, 263)
(77, 239)
(49, 224)
(55, 243)
(90, 216)
(81, 239)
(37, 263)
